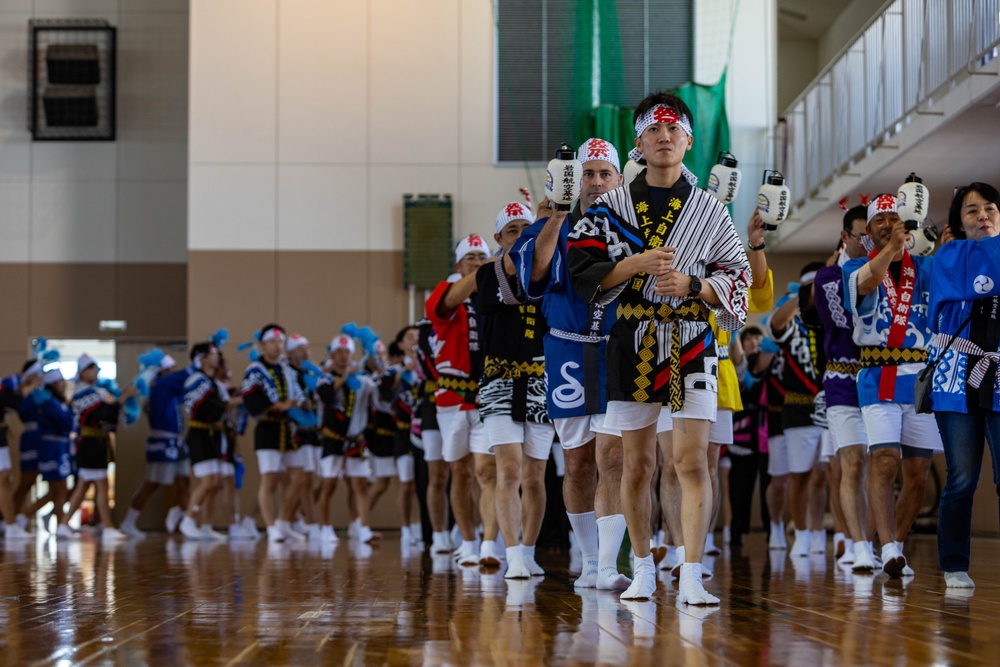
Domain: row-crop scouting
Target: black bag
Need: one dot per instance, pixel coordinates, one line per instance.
(925, 378)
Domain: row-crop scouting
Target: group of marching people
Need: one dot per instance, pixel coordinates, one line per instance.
(612, 327)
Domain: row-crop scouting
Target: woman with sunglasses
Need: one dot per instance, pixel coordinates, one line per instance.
(965, 395)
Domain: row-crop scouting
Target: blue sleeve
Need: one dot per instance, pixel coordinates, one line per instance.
(964, 271)
(523, 256)
(57, 414)
(865, 305)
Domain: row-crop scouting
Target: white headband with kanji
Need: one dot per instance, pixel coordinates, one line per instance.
(471, 243)
(598, 149)
(273, 333)
(662, 113)
(511, 212)
(881, 204)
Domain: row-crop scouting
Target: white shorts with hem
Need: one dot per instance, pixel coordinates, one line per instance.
(462, 433)
(846, 425)
(206, 468)
(227, 469)
(92, 474)
(405, 468)
(297, 458)
(357, 467)
(269, 461)
(162, 472)
(803, 443)
(629, 416)
(4, 459)
(721, 431)
(432, 445)
(383, 466)
(331, 467)
(535, 439)
(575, 432)
(887, 423)
(777, 457)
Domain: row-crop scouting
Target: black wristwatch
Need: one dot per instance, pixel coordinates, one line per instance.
(695, 287)
(757, 247)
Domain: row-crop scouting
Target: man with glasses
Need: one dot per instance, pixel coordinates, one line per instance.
(887, 292)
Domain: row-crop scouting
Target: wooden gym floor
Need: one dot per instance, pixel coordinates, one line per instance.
(162, 601)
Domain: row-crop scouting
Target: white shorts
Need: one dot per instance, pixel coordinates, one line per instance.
(826, 450)
(777, 457)
(313, 453)
(803, 444)
(298, 458)
(358, 467)
(383, 466)
(629, 416)
(269, 461)
(227, 469)
(92, 474)
(847, 426)
(535, 439)
(206, 468)
(331, 467)
(600, 425)
(725, 463)
(664, 421)
(432, 445)
(898, 423)
(162, 472)
(721, 431)
(404, 468)
(4, 458)
(462, 433)
(576, 432)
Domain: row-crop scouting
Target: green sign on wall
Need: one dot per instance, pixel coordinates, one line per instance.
(427, 240)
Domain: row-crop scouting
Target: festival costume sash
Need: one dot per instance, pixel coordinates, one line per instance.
(656, 227)
(900, 299)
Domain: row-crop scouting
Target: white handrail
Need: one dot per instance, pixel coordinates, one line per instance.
(892, 70)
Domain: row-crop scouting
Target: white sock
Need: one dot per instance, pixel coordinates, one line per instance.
(958, 580)
(899, 545)
(611, 533)
(528, 553)
(585, 527)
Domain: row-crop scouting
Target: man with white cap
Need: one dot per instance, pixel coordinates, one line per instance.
(512, 397)
(270, 390)
(888, 294)
(164, 447)
(452, 308)
(575, 348)
(345, 399)
(13, 389)
(303, 462)
(96, 412)
(669, 253)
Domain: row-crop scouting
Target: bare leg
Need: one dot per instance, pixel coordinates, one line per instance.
(580, 482)
(24, 484)
(609, 481)
(79, 492)
(508, 500)
(360, 487)
(691, 462)
(297, 481)
(915, 472)
(265, 497)
(853, 498)
(639, 462)
(143, 494)
(6, 498)
(377, 490)
(533, 501)
(798, 498)
(670, 490)
(103, 503)
(835, 475)
(486, 477)
(462, 505)
(437, 504)
(326, 491)
(817, 497)
(884, 464)
(776, 492)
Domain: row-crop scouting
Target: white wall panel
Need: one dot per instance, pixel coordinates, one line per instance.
(232, 84)
(231, 207)
(323, 81)
(74, 160)
(414, 82)
(73, 221)
(322, 207)
(476, 103)
(14, 217)
(388, 184)
(152, 221)
(485, 190)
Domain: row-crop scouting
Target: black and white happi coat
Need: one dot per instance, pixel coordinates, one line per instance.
(660, 346)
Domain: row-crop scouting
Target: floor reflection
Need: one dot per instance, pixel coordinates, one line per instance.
(166, 601)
